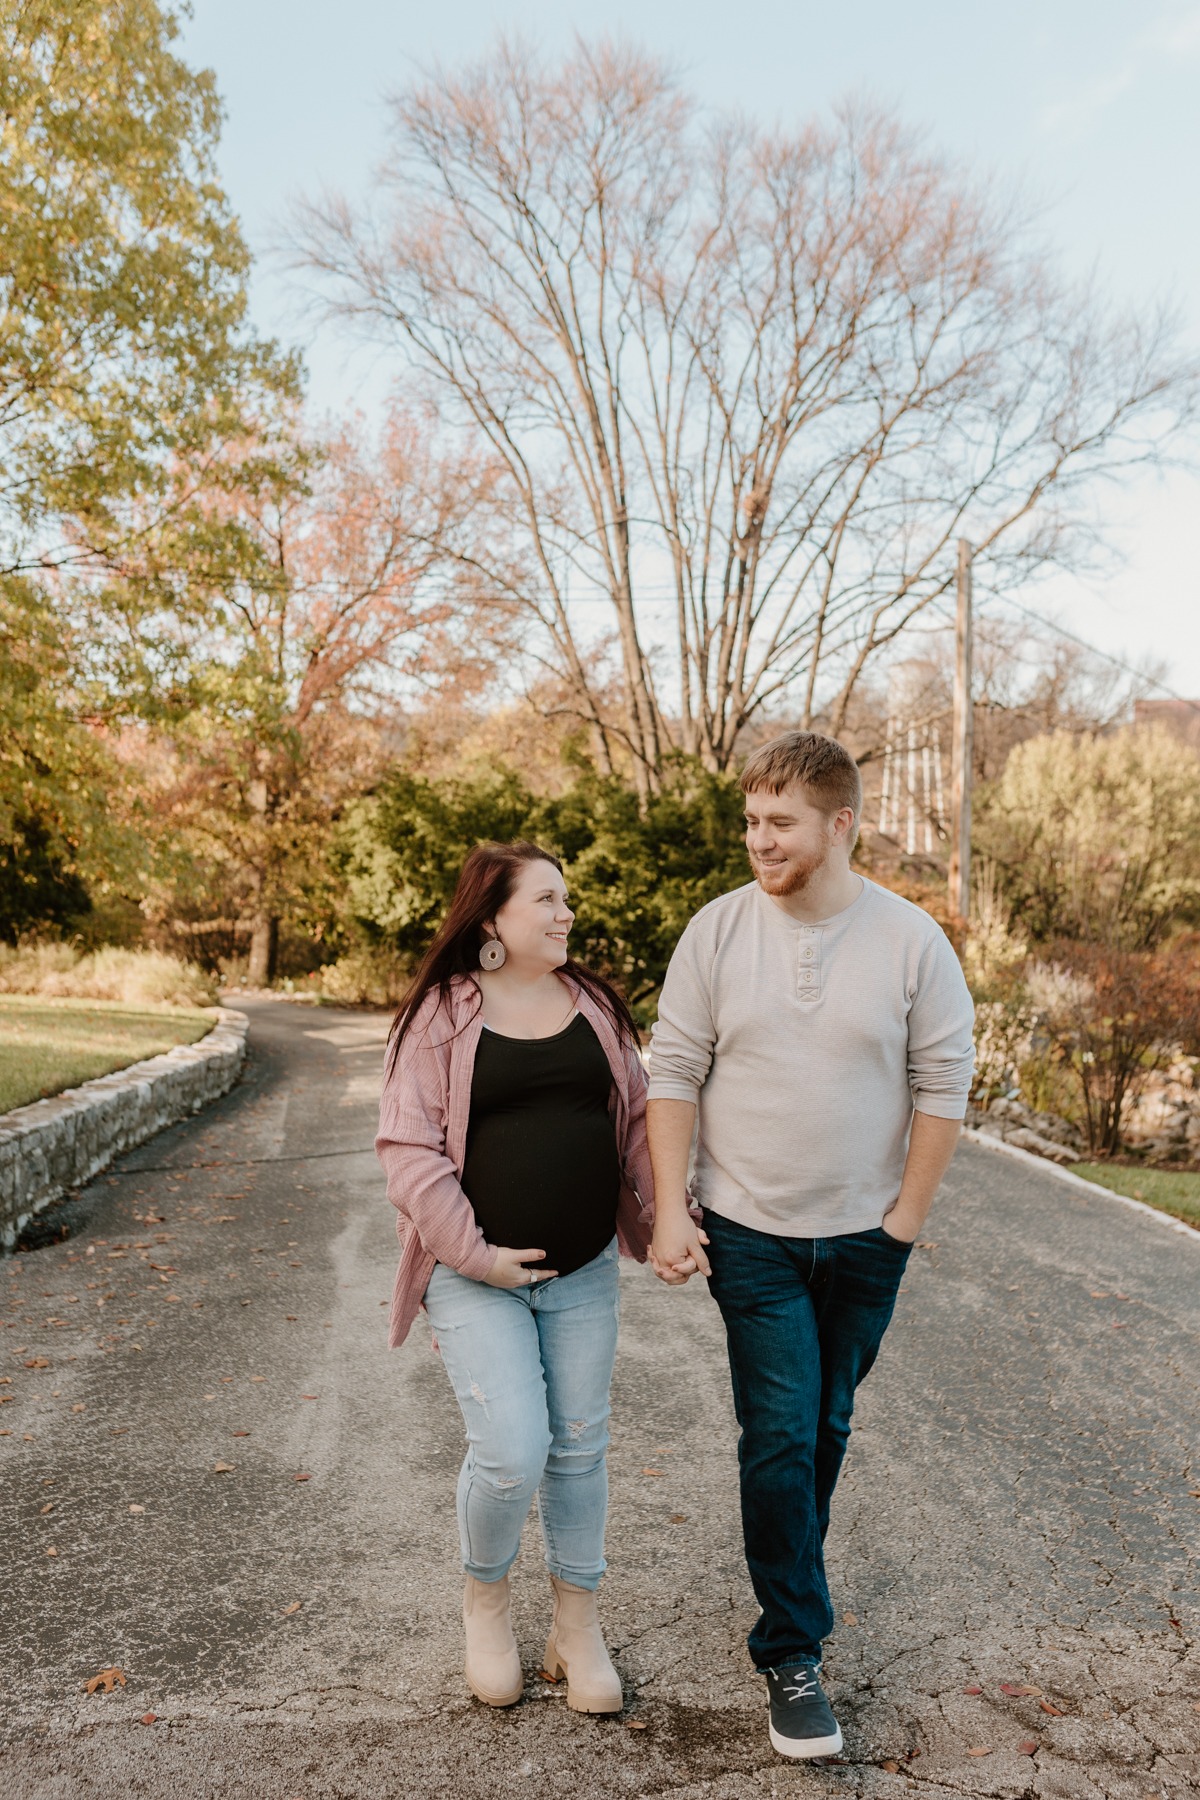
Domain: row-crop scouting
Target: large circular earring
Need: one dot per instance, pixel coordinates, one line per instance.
(492, 954)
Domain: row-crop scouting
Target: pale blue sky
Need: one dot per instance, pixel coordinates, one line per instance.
(1089, 103)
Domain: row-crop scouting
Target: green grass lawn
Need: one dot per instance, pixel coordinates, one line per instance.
(1171, 1191)
(48, 1045)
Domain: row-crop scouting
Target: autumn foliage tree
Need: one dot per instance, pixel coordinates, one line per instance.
(126, 353)
(312, 610)
(1096, 836)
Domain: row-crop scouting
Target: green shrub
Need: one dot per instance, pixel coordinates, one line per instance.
(368, 976)
(635, 877)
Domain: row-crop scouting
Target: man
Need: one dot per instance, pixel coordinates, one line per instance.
(823, 1028)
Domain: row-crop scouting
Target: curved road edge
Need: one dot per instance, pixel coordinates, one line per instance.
(56, 1145)
(1047, 1167)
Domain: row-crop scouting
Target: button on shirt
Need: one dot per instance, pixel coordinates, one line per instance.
(806, 1049)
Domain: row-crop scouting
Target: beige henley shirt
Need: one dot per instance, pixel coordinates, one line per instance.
(806, 1049)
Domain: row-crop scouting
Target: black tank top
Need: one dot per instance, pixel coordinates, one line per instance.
(542, 1170)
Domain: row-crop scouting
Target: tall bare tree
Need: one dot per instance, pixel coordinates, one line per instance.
(766, 379)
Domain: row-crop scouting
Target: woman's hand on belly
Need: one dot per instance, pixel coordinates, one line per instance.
(509, 1271)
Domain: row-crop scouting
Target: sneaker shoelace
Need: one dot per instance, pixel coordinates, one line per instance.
(802, 1684)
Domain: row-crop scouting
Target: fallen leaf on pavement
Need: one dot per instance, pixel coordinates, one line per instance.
(287, 1611)
(149, 1718)
(635, 1724)
(972, 1690)
(1098, 1294)
(51, 1551)
(79, 1407)
(239, 1434)
(1020, 1688)
(310, 1396)
(924, 1244)
(979, 1750)
(301, 1477)
(677, 1519)
(1028, 1747)
(849, 1619)
(49, 1507)
(106, 1679)
(224, 1468)
(1056, 1712)
(890, 1768)
(653, 1471)
(38, 1362)
(137, 1509)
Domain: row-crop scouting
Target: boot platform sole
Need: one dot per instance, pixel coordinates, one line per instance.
(806, 1747)
(509, 1699)
(554, 1669)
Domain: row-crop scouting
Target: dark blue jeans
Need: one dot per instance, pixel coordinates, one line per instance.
(804, 1318)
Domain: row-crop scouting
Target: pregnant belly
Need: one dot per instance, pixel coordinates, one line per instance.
(561, 1200)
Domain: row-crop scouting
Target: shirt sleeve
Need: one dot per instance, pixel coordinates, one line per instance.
(941, 1042)
(422, 1182)
(681, 1043)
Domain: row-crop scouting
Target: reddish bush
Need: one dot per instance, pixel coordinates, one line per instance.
(1126, 1014)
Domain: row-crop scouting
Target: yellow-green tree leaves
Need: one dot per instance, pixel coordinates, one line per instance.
(1097, 837)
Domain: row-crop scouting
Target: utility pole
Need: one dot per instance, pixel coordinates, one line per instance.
(963, 747)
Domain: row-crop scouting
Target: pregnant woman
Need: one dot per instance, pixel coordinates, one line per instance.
(512, 1133)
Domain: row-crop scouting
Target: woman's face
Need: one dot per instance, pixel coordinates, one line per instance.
(534, 921)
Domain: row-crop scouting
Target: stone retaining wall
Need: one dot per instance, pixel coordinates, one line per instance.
(56, 1145)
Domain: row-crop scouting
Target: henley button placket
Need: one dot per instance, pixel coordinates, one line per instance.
(808, 983)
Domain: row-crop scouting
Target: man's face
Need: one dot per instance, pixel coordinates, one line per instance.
(788, 838)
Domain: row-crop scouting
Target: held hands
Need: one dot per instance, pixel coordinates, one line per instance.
(508, 1270)
(676, 1251)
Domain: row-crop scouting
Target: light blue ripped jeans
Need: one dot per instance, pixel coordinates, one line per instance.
(531, 1368)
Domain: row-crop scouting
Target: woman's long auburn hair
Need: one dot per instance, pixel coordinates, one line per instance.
(488, 878)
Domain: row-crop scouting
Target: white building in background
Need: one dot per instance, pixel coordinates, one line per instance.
(912, 808)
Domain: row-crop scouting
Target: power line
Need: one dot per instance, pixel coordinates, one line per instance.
(1117, 663)
(643, 596)
(1084, 644)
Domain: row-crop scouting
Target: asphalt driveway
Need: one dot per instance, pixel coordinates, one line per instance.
(216, 1479)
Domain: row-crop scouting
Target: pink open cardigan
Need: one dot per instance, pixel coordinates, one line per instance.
(422, 1142)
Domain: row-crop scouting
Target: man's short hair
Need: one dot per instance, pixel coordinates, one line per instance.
(822, 766)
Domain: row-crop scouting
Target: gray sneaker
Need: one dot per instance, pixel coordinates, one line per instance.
(802, 1721)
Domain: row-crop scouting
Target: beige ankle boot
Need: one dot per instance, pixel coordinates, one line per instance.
(575, 1648)
(492, 1667)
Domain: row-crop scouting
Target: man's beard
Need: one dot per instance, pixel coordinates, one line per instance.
(793, 877)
